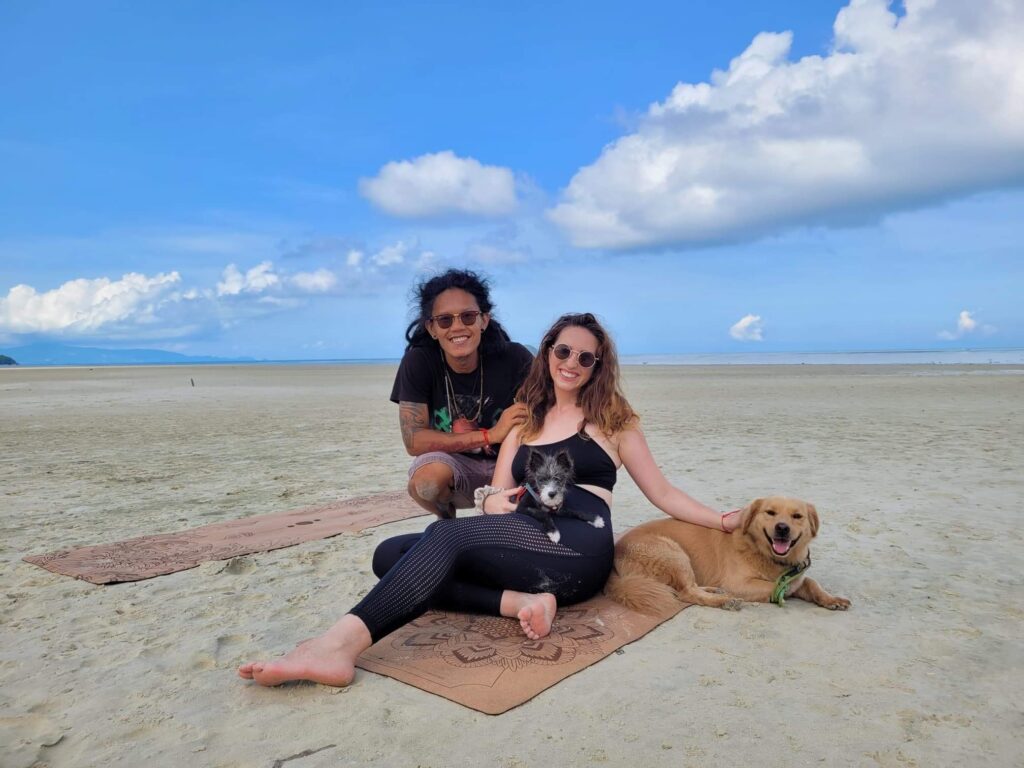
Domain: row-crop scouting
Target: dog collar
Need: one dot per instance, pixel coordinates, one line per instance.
(782, 583)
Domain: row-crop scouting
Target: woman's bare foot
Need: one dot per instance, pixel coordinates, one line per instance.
(535, 612)
(329, 659)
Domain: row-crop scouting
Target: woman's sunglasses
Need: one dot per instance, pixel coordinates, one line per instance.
(444, 322)
(564, 352)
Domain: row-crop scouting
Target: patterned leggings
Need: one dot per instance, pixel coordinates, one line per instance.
(466, 563)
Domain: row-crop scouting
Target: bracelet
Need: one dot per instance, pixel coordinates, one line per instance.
(487, 442)
(481, 494)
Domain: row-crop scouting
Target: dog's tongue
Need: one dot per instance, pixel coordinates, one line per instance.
(781, 546)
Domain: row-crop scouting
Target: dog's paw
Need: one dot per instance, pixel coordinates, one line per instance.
(555, 536)
(837, 604)
(732, 605)
(597, 522)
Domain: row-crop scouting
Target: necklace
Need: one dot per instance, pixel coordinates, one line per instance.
(453, 403)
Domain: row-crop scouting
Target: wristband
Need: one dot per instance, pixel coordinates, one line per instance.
(481, 494)
(487, 441)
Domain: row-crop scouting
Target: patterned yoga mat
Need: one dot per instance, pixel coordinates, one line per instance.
(485, 663)
(148, 556)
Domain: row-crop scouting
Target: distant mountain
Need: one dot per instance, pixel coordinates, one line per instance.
(5, 360)
(64, 354)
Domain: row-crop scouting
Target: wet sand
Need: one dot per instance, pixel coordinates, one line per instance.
(916, 471)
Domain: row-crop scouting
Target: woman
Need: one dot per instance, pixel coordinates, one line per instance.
(455, 389)
(502, 562)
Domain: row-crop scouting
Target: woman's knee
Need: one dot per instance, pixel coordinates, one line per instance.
(390, 551)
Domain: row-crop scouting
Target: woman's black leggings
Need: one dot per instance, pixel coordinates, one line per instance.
(466, 563)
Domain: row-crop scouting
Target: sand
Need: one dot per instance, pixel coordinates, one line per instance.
(916, 471)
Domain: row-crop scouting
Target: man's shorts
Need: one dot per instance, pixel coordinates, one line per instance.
(470, 473)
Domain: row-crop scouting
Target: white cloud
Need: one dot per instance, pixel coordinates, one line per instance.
(85, 306)
(320, 281)
(966, 324)
(390, 255)
(441, 184)
(258, 279)
(747, 328)
(354, 258)
(902, 111)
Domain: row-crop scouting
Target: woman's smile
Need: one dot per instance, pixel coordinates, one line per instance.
(568, 374)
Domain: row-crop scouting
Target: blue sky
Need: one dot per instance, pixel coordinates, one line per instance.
(254, 179)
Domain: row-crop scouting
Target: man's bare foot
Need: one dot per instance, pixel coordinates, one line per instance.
(329, 659)
(535, 612)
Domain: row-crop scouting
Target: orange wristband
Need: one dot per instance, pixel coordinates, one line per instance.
(487, 441)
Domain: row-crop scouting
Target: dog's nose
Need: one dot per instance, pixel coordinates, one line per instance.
(551, 494)
(781, 530)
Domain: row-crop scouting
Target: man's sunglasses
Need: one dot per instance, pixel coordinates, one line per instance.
(564, 352)
(444, 322)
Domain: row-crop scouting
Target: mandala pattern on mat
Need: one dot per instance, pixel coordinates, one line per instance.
(475, 641)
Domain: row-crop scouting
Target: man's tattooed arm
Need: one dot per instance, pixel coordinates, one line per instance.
(419, 438)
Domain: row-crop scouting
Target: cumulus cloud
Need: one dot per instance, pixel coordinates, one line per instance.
(83, 306)
(966, 324)
(255, 280)
(141, 307)
(902, 111)
(390, 255)
(747, 328)
(320, 281)
(441, 184)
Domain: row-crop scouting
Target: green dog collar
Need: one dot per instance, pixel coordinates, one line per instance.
(782, 583)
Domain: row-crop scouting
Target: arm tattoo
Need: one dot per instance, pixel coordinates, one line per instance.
(415, 417)
(412, 417)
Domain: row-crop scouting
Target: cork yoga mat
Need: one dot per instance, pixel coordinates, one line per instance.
(485, 663)
(148, 556)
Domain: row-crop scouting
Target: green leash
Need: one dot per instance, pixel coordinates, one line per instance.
(782, 583)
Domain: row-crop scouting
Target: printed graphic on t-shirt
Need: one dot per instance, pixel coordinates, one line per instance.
(467, 406)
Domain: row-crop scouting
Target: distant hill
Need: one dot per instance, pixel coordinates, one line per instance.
(64, 354)
(5, 360)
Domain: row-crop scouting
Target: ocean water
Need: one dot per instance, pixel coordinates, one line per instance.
(913, 357)
(1013, 356)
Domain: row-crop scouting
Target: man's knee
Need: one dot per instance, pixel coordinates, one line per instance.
(432, 482)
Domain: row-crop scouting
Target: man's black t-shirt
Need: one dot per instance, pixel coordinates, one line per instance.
(421, 379)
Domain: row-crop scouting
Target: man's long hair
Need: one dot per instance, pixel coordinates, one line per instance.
(425, 293)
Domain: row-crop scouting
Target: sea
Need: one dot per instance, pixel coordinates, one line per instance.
(906, 357)
(1012, 356)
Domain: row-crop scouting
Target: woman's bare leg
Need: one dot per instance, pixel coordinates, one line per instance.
(535, 612)
(329, 659)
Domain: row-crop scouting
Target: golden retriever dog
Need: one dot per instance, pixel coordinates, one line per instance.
(664, 562)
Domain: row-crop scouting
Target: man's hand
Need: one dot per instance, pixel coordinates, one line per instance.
(513, 416)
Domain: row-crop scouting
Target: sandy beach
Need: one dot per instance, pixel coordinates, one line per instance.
(916, 471)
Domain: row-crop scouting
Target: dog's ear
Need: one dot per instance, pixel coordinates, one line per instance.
(536, 460)
(812, 515)
(747, 515)
(564, 460)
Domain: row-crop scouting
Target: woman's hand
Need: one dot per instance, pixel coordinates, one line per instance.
(731, 520)
(502, 503)
(513, 416)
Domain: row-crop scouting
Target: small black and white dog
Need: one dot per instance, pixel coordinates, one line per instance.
(546, 482)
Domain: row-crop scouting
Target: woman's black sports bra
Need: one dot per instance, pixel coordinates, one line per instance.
(593, 464)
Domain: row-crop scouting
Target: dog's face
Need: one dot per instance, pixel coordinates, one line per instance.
(781, 528)
(550, 476)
